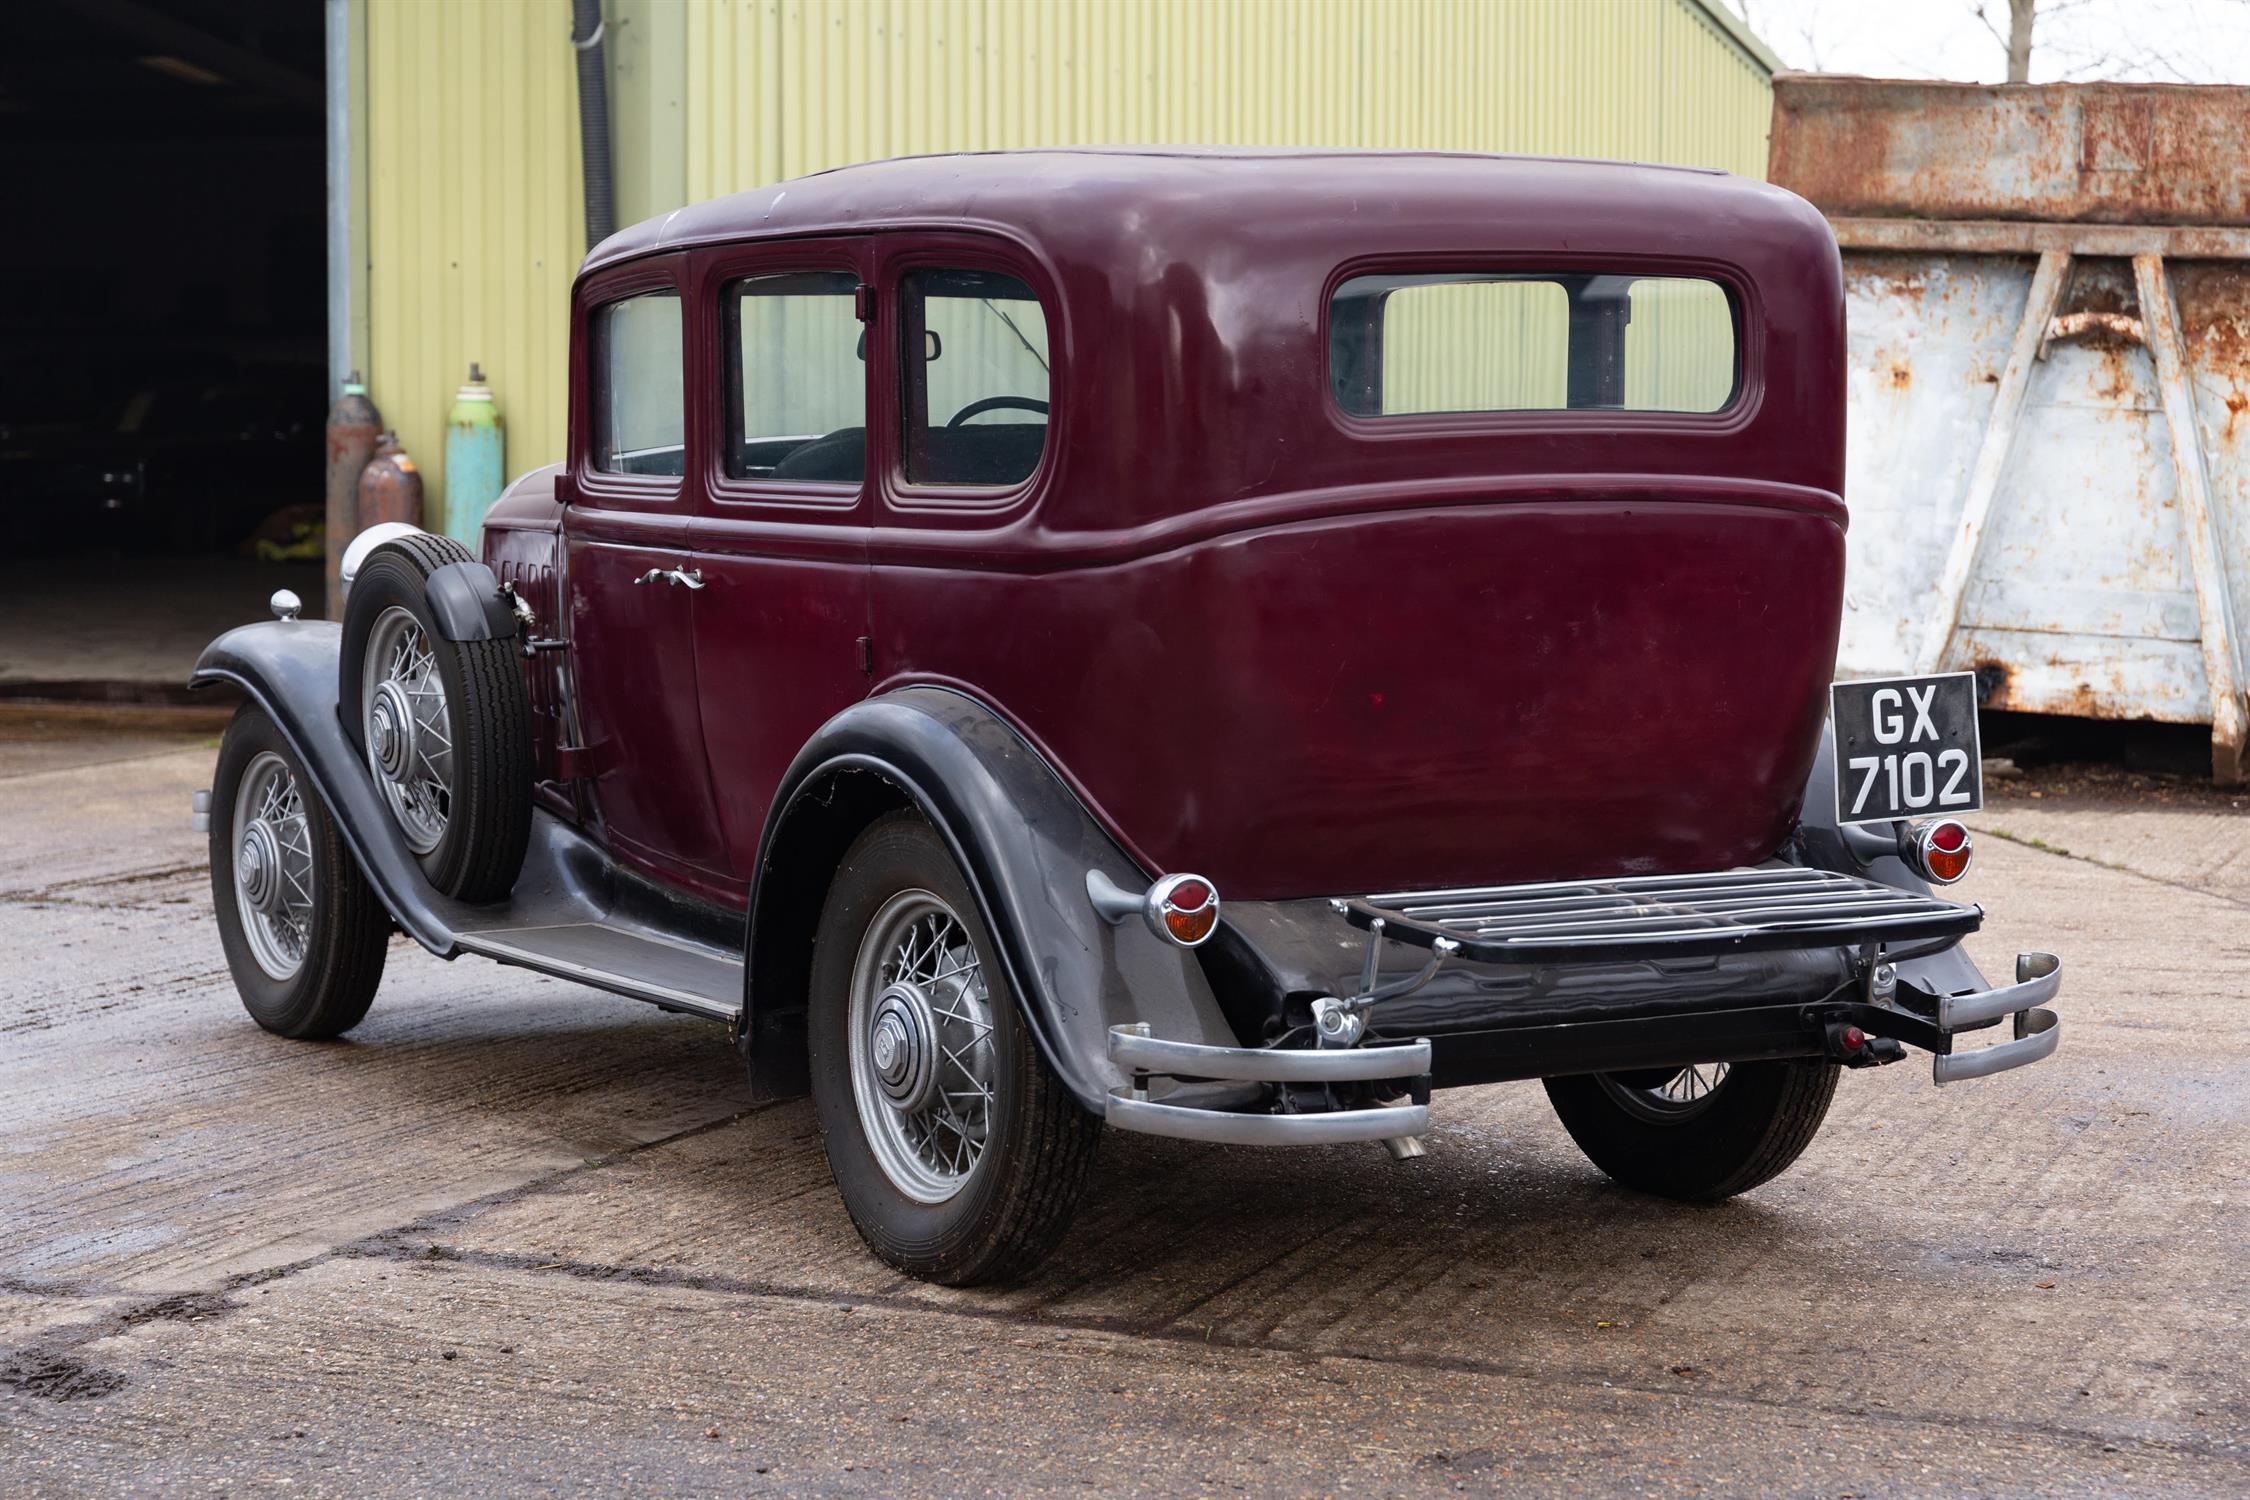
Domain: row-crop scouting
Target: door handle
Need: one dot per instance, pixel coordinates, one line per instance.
(689, 578)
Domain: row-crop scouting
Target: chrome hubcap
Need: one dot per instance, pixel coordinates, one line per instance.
(273, 866)
(409, 730)
(258, 865)
(390, 731)
(903, 1047)
(923, 1068)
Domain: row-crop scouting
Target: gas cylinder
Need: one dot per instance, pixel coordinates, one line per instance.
(353, 423)
(475, 459)
(390, 487)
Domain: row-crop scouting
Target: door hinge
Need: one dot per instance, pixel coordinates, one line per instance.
(863, 302)
(574, 763)
(865, 648)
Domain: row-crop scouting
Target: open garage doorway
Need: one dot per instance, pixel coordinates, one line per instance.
(162, 346)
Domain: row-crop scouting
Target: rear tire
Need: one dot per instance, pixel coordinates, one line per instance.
(447, 734)
(1745, 1131)
(303, 931)
(985, 1195)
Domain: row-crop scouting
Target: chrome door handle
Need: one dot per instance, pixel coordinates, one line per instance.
(650, 576)
(690, 578)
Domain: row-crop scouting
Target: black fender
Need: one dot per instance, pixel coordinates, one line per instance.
(288, 668)
(1820, 842)
(1025, 842)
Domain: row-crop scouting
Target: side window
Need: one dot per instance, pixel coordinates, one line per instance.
(974, 365)
(797, 367)
(1526, 341)
(639, 413)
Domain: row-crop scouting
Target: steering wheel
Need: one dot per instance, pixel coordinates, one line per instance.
(997, 403)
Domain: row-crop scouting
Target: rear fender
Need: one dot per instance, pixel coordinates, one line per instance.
(1024, 841)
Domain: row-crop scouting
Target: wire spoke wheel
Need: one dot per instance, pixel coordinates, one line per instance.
(924, 1070)
(408, 729)
(273, 866)
(1667, 1095)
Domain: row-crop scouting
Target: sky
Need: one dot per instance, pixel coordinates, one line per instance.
(2163, 41)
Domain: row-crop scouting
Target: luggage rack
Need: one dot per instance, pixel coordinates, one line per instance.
(1661, 916)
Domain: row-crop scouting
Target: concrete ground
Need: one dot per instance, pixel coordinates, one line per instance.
(128, 622)
(518, 1237)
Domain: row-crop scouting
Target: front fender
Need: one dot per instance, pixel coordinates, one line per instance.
(1024, 841)
(288, 668)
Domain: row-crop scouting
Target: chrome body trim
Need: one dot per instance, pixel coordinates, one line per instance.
(1227, 1128)
(1134, 1050)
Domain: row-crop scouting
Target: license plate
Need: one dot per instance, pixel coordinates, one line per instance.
(1907, 747)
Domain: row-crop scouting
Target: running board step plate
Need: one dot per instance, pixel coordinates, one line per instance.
(682, 975)
(1663, 916)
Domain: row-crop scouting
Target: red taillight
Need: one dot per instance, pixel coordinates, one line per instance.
(1190, 927)
(1184, 908)
(1942, 850)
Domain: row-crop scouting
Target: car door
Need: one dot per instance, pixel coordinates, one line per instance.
(630, 579)
(781, 536)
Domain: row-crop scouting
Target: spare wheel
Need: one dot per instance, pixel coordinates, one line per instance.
(445, 725)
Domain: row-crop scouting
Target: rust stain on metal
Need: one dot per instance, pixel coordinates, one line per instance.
(2090, 153)
(2083, 254)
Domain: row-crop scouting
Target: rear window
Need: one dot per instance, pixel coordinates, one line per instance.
(1464, 341)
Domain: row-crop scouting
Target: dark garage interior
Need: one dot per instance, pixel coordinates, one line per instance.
(162, 358)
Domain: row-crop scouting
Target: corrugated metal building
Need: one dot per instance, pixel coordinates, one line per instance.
(459, 204)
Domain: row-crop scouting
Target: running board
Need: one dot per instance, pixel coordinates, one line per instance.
(641, 966)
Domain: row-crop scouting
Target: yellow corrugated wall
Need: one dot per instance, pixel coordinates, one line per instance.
(475, 218)
(777, 88)
(474, 198)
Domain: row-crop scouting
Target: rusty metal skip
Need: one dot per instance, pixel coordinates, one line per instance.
(2036, 534)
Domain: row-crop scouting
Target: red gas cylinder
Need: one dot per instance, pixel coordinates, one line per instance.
(390, 487)
(353, 423)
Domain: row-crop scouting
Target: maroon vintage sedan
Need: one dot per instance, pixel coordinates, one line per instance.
(1219, 643)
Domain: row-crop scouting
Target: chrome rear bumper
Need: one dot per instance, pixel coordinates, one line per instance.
(1407, 1064)
(2038, 1030)
(1144, 1056)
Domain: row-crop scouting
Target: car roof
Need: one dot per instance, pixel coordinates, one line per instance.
(1211, 196)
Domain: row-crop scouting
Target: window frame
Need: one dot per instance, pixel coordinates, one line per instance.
(604, 487)
(718, 270)
(969, 504)
(1742, 299)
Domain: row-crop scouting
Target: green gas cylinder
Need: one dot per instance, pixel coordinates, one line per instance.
(475, 460)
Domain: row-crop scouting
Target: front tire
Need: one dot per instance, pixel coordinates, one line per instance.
(1685, 1133)
(303, 931)
(958, 1153)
